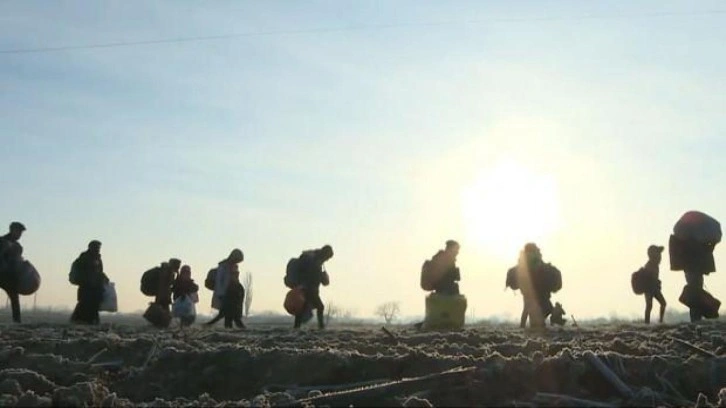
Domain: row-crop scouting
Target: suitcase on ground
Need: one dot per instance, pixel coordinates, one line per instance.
(445, 312)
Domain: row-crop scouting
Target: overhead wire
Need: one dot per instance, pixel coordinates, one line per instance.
(362, 27)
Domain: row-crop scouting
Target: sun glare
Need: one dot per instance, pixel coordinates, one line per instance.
(508, 205)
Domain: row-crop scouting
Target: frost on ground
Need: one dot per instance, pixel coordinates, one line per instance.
(60, 365)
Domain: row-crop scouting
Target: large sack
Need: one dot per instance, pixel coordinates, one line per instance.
(157, 315)
(28, 279)
(699, 227)
(691, 255)
(294, 301)
(109, 302)
(445, 312)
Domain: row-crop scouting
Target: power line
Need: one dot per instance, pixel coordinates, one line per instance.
(355, 28)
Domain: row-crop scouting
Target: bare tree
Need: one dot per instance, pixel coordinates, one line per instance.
(248, 292)
(388, 311)
(332, 311)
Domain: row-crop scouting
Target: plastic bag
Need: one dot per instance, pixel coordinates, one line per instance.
(183, 307)
(109, 303)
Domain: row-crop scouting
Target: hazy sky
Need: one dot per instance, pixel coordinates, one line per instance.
(589, 127)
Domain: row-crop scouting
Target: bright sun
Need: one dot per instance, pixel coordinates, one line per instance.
(508, 205)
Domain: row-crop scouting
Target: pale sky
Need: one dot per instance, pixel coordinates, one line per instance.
(589, 127)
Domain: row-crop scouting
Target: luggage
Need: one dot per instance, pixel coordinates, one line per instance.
(638, 282)
(699, 299)
(74, 275)
(28, 279)
(445, 312)
(294, 301)
(157, 315)
(150, 282)
(109, 302)
(211, 280)
(292, 273)
(690, 254)
(183, 307)
(512, 281)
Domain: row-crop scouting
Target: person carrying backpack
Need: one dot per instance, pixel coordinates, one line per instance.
(87, 273)
(157, 282)
(441, 274)
(223, 279)
(310, 275)
(651, 282)
(11, 258)
(536, 280)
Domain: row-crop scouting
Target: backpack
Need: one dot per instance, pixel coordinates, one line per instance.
(292, 273)
(637, 282)
(150, 282)
(211, 281)
(552, 278)
(74, 275)
(512, 281)
(427, 283)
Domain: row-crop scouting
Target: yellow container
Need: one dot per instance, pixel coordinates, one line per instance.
(445, 312)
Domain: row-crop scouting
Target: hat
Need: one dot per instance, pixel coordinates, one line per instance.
(654, 250)
(175, 263)
(17, 225)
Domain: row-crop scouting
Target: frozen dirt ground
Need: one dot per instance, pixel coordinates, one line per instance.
(124, 365)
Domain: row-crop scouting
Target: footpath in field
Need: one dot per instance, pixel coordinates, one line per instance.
(601, 366)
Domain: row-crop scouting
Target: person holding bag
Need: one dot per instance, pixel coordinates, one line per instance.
(185, 292)
(87, 273)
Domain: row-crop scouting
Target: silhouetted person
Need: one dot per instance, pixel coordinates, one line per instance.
(11, 259)
(91, 281)
(311, 276)
(445, 262)
(184, 286)
(167, 274)
(695, 271)
(557, 317)
(233, 301)
(651, 272)
(223, 281)
(537, 281)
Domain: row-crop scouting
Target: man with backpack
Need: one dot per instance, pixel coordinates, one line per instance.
(87, 273)
(307, 273)
(157, 282)
(11, 258)
(441, 274)
(536, 280)
(651, 283)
